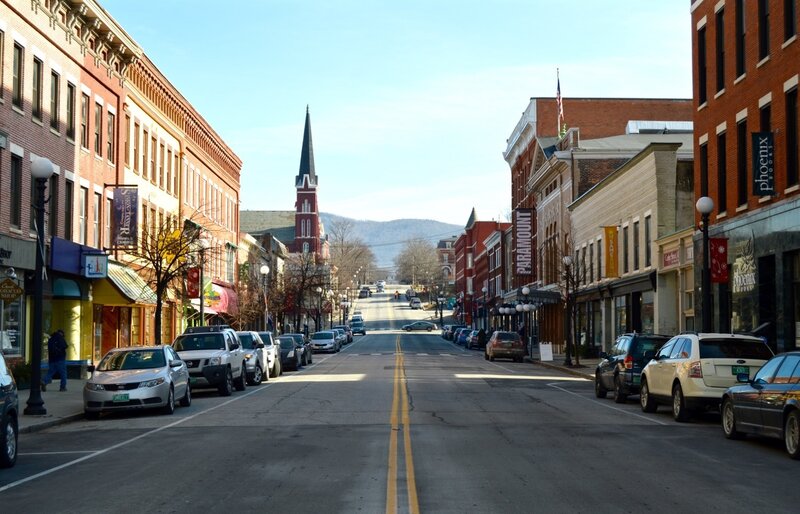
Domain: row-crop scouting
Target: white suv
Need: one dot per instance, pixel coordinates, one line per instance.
(692, 371)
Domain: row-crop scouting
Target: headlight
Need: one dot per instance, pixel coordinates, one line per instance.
(291, 353)
(214, 361)
(91, 386)
(248, 356)
(152, 383)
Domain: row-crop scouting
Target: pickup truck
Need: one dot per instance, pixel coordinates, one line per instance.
(214, 357)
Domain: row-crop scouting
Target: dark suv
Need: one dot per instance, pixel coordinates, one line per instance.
(9, 408)
(620, 369)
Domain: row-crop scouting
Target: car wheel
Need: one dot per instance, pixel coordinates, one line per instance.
(791, 434)
(169, 408)
(599, 390)
(679, 411)
(258, 375)
(429, 329)
(91, 414)
(486, 356)
(280, 369)
(241, 382)
(407, 329)
(729, 420)
(8, 457)
(648, 403)
(491, 357)
(619, 396)
(226, 387)
(186, 401)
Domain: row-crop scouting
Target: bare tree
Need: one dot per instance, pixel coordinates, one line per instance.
(573, 273)
(303, 275)
(348, 252)
(250, 291)
(417, 262)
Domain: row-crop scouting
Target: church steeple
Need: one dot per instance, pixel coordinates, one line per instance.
(307, 158)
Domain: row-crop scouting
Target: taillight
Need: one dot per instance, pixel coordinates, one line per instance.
(695, 370)
(628, 362)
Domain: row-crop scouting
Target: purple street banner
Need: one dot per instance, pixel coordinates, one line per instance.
(126, 204)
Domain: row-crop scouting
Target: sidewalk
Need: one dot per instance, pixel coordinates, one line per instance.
(61, 407)
(585, 370)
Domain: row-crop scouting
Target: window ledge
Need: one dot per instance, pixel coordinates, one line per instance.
(17, 110)
(741, 208)
(37, 121)
(722, 215)
(764, 199)
(702, 106)
(791, 189)
(55, 132)
(740, 78)
(788, 41)
(719, 93)
(762, 62)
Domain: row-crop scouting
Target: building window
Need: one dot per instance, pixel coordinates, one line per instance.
(175, 175)
(648, 247)
(704, 170)
(98, 129)
(161, 157)
(599, 259)
(69, 188)
(740, 38)
(722, 173)
(16, 85)
(70, 111)
(625, 250)
(763, 29)
(36, 94)
(591, 262)
(741, 162)
(85, 121)
(16, 191)
(33, 207)
(52, 204)
(111, 129)
(146, 156)
(305, 247)
(789, 19)
(83, 209)
(55, 104)
(96, 220)
(170, 171)
(2, 61)
(107, 221)
(702, 79)
(720, 50)
(127, 143)
(635, 245)
(153, 148)
(791, 138)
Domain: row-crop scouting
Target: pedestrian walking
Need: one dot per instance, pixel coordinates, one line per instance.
(481, 338)
(56, 360)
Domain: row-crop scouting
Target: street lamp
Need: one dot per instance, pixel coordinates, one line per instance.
(264, 270)
(319, 310)
(704, 206)
(203, 246)
(440, 302)
(330, 295)
(41, 170)
(567, 260)
(484, 290)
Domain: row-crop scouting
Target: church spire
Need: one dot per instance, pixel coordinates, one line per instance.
(307, 158)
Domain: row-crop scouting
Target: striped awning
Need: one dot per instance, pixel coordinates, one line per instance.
(130, 284)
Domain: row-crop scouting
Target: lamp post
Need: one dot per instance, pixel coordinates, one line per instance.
(484, 290)
(440, 302)
(264, 270)
(330, 295)
(319, 310)
(704, 206)
(525, 308)
(567, 260)
(41, 170)
(203, 243)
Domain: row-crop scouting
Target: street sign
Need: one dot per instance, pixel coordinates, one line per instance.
(9, 290)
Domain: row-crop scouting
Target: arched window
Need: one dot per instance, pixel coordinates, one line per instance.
(305, 247)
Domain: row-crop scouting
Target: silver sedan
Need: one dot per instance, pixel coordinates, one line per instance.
(139, 377)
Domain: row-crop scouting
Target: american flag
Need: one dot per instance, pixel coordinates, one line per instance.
(560, 104)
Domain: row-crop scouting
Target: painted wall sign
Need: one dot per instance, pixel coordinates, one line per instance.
(671, 258)
(763, 164)
(523, 239)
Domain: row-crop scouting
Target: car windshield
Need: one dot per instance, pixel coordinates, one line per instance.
(188, 342)
(247, 340)
(644, 346)
(133, 359)
(505, 336)
(734, 349)
(322, 335)
(265, 338)
(286, 343)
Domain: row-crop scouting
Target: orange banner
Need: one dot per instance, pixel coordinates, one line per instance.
(611, 251)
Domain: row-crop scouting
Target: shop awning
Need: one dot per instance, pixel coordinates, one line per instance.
(219, 299)
(130, 284)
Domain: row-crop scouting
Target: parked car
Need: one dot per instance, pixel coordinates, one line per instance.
(255, 357)
(341, 338)
(620, 370)
(692, 371)
(325, 341)
(290, 352)
(137, 377)
(358, 327)
(767, 405)
(450, 334)
(348, 332)
(420, 325)
(364, 293)
(214, 356)
(273, 353)
(306, 353)
(505, 344)
(460, 335)
(9, 415)
(415, 303)
(472, 340)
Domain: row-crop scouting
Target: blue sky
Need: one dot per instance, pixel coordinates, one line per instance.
(411, 101)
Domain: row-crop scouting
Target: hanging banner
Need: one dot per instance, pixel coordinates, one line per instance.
(718, 250)
(126, 209)
(611, 251)
(193, 283)
(763, 164)
(523, 241)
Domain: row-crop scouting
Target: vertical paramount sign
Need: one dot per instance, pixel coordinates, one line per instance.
(523, 240)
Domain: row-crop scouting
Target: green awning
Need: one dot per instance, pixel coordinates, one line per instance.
(130, 284)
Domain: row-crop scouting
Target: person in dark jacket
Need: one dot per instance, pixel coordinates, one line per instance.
(56, 359)
(481, 338)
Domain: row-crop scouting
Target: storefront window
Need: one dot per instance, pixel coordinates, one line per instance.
(795, 260)
(136, 336)
(648, 311)
(597, 324)
(620, 315)
(11, 340)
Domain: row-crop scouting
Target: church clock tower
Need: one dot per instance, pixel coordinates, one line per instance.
(306, 219)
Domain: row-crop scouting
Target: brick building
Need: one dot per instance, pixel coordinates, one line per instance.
(745, 57)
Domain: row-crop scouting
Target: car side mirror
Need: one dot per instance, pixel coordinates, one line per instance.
(175, 363)
(90, 368)
(603, 355)
(260, 345)
(235, 346)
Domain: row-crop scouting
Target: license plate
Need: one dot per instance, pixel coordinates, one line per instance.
(192, 380)
(735, 370)
(637, 379)
(120, 397)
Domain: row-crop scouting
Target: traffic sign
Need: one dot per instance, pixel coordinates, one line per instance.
(9, 290)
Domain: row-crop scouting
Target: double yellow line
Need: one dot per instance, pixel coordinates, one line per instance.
(400, 422)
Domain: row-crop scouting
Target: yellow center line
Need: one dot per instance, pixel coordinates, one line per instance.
(413, 503)
(391, 478)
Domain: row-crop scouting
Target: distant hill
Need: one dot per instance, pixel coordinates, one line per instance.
(386, 238)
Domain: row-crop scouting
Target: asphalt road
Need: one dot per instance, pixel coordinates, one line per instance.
(399, 422)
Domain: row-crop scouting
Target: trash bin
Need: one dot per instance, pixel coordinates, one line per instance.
(76, 369)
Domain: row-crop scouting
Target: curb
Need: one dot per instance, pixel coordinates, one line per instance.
(38, 427)
(562, 369)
